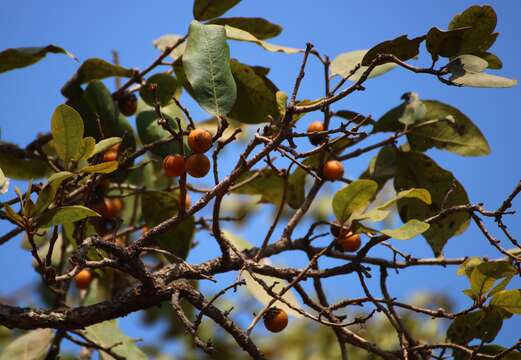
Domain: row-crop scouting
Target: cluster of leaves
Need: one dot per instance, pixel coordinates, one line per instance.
(91, 122)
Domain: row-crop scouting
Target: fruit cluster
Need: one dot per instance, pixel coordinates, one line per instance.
(197, 164)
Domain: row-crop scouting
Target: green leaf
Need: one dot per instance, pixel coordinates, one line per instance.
(482, 20)
(206, 62)
(266, 183)
(254, 91)
(67, 132)
(210, 9)
(445, 43)
(483, 324)
(16, 165)
(168, 40)
(467, 64)
(458, 134)
(483, 80)
(158, 206)
(108, 335)
(33, 345)
(484, 275)
(166, 88)
(103, 110)
(408, 230)
(379, 213)
(260, 28)
(410, 112)
(441, 126)
(4, 182)
(509, 300)
(468, 266)
(95, 69)
(13, 215)
(85, 149)
(256, 290)
(105, 144)
(416, 170)
(494, 62)
(21, 57)
(150, 131)
(48, 193)
(64, 215)
(101, 168)
(296, 188)
(401, 47)
(343, 64)
(382, 167)
(353, 199)
(233, 33)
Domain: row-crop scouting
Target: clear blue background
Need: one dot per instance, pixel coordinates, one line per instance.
(94, 28)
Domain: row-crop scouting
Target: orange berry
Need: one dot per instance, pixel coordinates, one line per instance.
(275, 319)
(333, 170)
(174, 165)
(83, 279)
(127, 104)
(197, 165)
(200, 140)
(109, 207)
(110, 155)
(144, 230)
(314, 127)
(349, 242)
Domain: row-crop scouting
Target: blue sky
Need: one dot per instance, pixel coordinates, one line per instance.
(94, 28)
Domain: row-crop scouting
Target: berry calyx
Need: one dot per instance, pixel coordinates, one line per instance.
(174, 165)
(200, 140)
(83, 279)
(333, 170)
(275, 319)
(197, 165)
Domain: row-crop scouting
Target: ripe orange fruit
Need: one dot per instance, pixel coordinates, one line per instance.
(197, 165)
(200, 140)
(127, 104)
(275, 319)
(314, 127)
(349, 242)
(110, 155)
(83, 279)
(333, 170)
(174, 165)
(109, 207)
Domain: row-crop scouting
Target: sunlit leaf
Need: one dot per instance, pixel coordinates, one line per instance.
(353, 199)
(108, 335)
(64, 215)
(67, 132)
(21, 57)
(105, 144)
(260, 28)
(233, 33)
(101, 168)
(345, 63)
(509, 300)
(206, 62)
(408, 230)
(33, 345)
